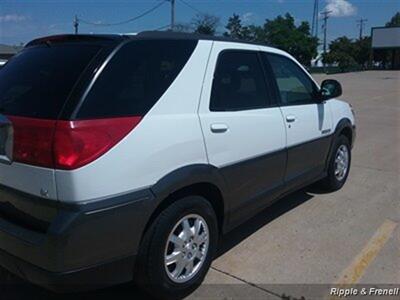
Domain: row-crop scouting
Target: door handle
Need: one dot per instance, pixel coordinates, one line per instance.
(219, 128)
(290, 118)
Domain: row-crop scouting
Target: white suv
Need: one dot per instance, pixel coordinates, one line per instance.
(127, 157)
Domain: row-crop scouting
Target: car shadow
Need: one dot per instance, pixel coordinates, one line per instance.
(280, 207)
(13, 288)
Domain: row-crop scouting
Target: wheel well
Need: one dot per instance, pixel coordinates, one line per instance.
(207, 190)
(347, 132)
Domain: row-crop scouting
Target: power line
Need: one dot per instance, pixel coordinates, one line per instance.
(191, 7)
(126, 21)
(361, 22)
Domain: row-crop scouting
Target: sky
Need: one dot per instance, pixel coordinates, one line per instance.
(22, 21)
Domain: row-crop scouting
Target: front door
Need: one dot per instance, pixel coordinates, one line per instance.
(308, 123)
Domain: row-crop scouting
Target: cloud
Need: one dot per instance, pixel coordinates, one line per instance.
(12, 18)
(247, 17)
(340, 8)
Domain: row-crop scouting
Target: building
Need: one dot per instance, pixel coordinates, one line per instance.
(386, 46)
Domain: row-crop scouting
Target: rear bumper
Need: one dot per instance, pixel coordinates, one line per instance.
(84, 247)
(90, 278)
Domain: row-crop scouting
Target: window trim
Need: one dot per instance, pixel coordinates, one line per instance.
(80, 90)
(94, 77)
(268, 102)
(275, 83)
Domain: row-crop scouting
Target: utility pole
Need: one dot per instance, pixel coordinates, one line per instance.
(76, 24)
(325, 26)
(361, 23)
(172, 14)
(314, 26)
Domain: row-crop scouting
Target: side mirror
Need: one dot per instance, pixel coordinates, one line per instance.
(330, 88)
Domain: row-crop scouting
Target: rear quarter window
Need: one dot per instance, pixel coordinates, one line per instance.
(37, 82)
(135, 78)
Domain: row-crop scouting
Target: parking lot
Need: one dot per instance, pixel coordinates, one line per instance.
(347, 237)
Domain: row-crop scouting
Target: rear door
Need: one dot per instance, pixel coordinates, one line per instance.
(243, 130)
(308, 123)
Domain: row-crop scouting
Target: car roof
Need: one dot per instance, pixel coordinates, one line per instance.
(145, 35)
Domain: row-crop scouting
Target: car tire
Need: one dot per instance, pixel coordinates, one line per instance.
(338, 165)
(152, 270)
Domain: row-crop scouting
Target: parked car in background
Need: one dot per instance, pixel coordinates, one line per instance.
(127, 157)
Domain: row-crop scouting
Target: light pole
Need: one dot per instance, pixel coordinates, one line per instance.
(361, 23)
(172, 14)
(76, 24)
(325, 26)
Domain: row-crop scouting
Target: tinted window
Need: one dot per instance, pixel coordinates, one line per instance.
(294, 85)
(36, 83)
(238, 82)
(136, 77)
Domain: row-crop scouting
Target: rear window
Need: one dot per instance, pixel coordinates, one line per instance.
(36, 82)
(135, 78)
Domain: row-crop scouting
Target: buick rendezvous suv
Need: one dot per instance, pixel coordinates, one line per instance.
(127, 157)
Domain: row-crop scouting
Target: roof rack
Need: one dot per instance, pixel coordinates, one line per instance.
(192, 36)
(139, 36)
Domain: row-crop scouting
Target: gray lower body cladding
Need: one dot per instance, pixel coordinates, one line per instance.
(75, 246)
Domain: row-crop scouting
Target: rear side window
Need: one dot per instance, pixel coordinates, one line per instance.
(135, 78)
(37, 82)
(238, 82)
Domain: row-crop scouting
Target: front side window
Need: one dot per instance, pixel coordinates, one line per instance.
(238, 82)
(295, 87)
(135, 78)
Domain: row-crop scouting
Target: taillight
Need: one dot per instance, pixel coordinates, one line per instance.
(33, 141)
(67, 144)
(77, 143)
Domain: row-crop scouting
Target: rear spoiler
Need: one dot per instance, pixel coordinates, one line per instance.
(74, 38)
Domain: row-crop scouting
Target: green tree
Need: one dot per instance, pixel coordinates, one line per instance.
(280, 32)
(344, 60)
(236, 30)
(348, 53)
(234, 27)
(362, 51)
(297, 40)
(342, 44)
(394, 21)
(205, 24)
